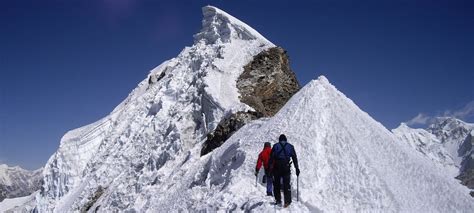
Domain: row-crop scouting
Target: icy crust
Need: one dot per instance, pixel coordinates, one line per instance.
(157, 127)
(349, 163)
(426, 144)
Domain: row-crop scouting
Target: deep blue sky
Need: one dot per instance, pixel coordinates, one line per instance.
(64, 65)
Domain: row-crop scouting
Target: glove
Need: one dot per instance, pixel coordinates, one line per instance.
(297, 172)
(256, 172)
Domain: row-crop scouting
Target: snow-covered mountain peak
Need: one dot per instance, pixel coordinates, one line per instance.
(451, 132)
(321, 93)
(402, 125)
(448, 124)
(426, 144)
(320, 85)
(159, 126)
(220, 27)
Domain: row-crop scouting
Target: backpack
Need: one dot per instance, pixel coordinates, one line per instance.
(282, 162)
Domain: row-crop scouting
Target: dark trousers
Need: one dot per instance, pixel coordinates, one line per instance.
(269, 181)
(286, 187)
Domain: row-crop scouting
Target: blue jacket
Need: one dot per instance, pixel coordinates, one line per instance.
(281, 154)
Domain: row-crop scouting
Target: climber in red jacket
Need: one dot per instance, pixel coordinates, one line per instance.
(263, 158)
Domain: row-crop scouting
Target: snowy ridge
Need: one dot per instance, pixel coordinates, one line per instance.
(157, 126)
(349, 162)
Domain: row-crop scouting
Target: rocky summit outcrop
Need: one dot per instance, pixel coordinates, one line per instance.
(266, 84)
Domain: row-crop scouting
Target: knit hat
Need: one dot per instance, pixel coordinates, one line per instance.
(282, 138)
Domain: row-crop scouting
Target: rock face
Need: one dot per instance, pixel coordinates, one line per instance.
(467, 165)
(266, 84)
(18, 182)
(226, 128)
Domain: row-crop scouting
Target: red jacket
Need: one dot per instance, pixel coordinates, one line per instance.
(263, 157)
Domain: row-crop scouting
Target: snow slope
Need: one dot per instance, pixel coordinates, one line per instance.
(145, 155)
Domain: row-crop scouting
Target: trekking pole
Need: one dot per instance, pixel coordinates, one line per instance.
(297, 188)
(256, 177)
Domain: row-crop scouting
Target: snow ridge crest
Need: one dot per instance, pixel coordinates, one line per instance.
(220, 27)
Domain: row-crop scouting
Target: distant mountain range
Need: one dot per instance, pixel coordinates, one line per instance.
(448, 141)
(18, 182)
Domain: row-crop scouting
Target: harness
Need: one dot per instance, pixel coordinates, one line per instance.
(287, 156)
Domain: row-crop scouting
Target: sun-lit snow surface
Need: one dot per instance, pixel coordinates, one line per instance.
(159, 124)
(145, 154)
(349, 162)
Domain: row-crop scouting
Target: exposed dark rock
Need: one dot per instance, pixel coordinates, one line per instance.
(155, 78)
(467, 178)
(93, 199)
(226, 128)
(467, 165)
(266, 84)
